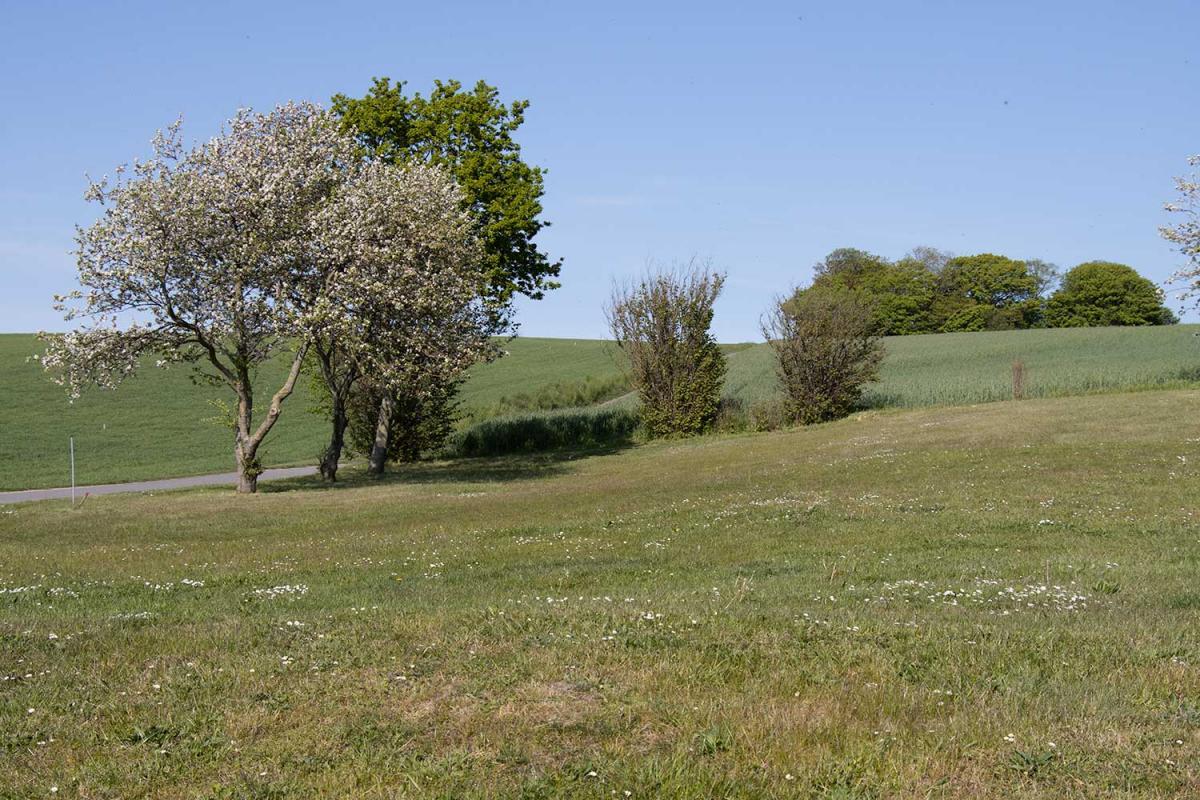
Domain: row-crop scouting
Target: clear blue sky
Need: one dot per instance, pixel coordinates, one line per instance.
(761, 135)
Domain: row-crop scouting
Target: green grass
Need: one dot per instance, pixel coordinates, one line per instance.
(996, 601)
(960, 368)
(154, 426)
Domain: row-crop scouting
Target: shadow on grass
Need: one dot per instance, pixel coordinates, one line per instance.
(491, 469)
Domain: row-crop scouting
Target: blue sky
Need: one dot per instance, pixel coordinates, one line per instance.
(760, 135)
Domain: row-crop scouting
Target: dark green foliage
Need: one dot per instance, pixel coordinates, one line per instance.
(421, 422)
(826, 350)
(662, 325)
(695, 402)
(1104, 293)
(583, 428)
(999, 291)
(900, 293)
(470, 133)
(930, 291)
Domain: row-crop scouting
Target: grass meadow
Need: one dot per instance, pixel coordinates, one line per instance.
(996, 601)
(159, 424)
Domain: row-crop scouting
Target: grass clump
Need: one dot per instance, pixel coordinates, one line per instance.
(560, 394)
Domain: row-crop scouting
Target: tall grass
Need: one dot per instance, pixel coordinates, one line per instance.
(560, 394)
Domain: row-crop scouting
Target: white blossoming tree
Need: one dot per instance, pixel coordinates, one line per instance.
(1186, 233)
(406, 311)
(275, 239)
(209, 256)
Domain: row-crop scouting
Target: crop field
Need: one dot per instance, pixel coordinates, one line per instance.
(997, 601)
(961, 368)
(160, 425)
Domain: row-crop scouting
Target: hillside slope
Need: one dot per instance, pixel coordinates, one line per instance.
(959, 368)
(161, 425)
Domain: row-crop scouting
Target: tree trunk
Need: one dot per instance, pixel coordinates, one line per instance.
(247, 465)
(383, 434)
(243, 448)
(246, 443)
(337, 440)
(248, 481)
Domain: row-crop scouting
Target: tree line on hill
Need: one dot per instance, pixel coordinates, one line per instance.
(930, 291)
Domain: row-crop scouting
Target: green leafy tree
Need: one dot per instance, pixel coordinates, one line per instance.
(468, 132)
(1105, 293)
(900, 294)
(999, 292)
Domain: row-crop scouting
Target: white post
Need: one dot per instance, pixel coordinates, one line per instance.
(72, 472)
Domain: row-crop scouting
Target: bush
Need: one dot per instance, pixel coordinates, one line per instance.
(826, 350)
(581, 428)
(662, 325)
(1103, 293)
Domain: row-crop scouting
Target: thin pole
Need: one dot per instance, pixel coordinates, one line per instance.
(72, 471)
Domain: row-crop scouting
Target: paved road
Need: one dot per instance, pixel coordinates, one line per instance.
(225, 478)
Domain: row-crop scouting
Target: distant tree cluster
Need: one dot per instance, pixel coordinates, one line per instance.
(930, 291)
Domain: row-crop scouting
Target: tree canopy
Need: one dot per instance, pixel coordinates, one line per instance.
(469, 132)
(1106, 293)
(898, 294)
(274, 238)
(932, 291)
(994, 290)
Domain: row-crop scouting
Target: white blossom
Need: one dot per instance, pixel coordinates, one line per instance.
(1186, 232)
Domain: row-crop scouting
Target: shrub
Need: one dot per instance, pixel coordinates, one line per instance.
(662, 325)
(1103, 293)
(826, 350)
(583, 428)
